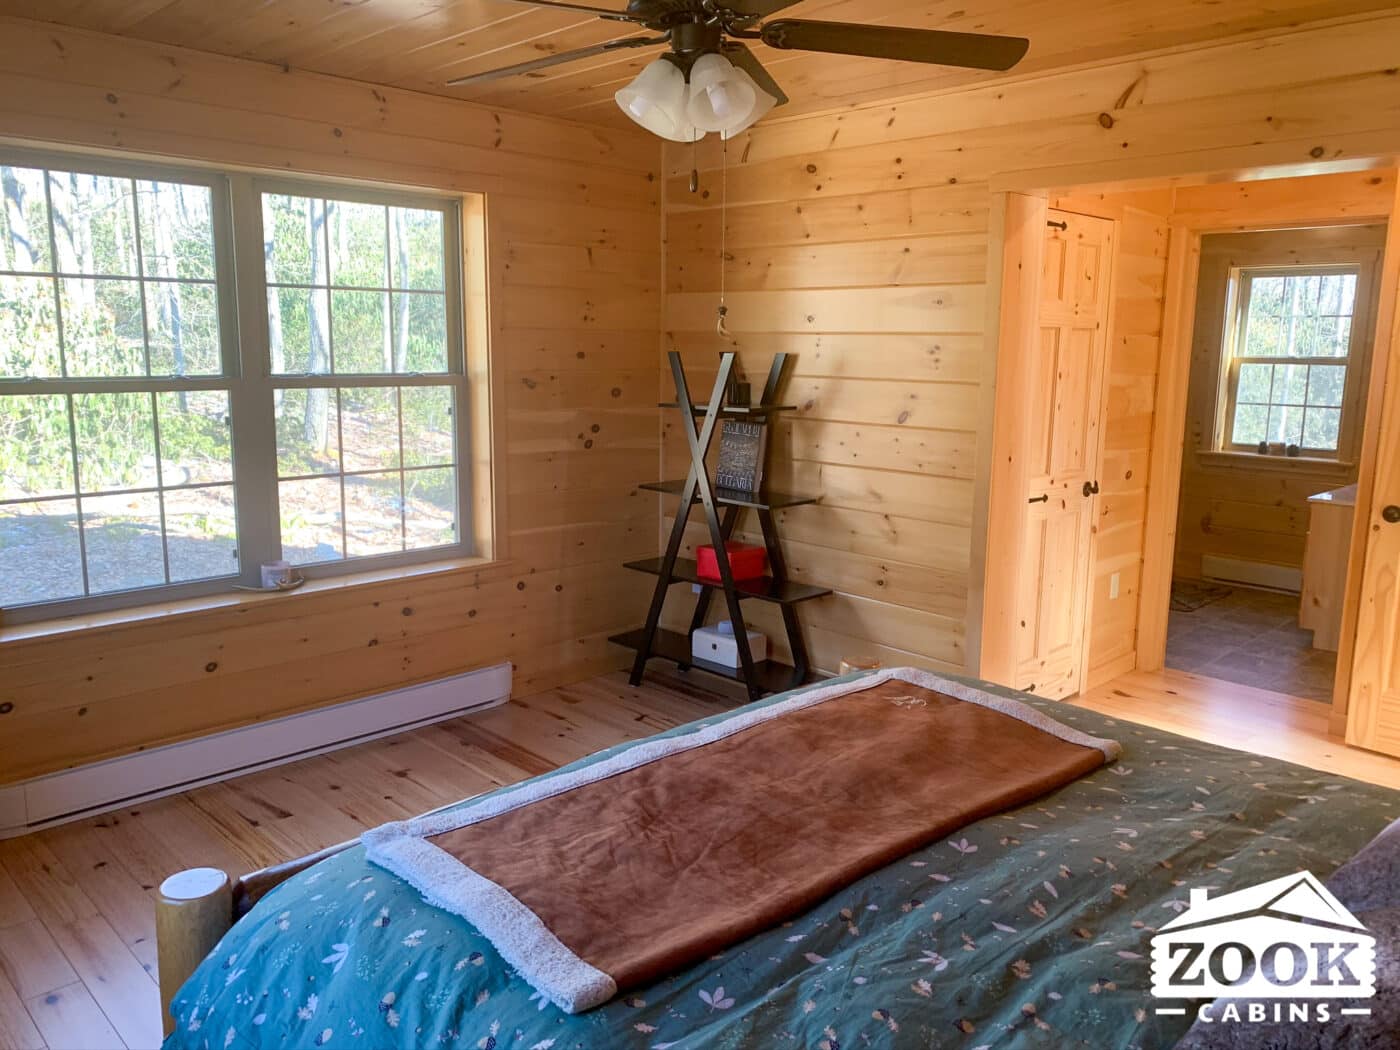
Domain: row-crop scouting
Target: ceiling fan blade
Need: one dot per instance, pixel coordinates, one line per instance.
(742, 57)
(601, 12)
(969, 50)
(758, 8)
(559, 59)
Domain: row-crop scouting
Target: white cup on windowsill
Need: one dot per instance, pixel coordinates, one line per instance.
(277, 575)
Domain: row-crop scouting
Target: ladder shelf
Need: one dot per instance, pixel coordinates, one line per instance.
(721, 508)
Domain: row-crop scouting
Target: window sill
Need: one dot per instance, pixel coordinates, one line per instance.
(42, 629)
(1314, 465)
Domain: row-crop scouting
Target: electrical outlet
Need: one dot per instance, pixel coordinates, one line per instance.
(1113, 585)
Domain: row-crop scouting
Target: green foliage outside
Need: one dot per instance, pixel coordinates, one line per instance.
(113, 277)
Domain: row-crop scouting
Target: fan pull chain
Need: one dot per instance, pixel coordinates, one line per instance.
(720, 326)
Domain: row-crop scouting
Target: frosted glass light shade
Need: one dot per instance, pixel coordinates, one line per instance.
(763, 102)
(721, 96)
(656, 99)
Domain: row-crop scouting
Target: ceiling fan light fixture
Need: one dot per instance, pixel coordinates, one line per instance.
(656, 99)
(721, 95)
(763, 102)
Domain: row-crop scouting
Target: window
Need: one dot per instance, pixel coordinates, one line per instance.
(158, 438)
(1289, 362)
(358, 312)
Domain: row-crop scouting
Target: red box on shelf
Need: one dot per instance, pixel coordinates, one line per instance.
(746, 561)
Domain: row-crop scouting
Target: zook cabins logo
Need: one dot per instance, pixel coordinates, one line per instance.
(1282, 951)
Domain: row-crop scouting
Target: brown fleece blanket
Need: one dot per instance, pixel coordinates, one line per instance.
(654, 867)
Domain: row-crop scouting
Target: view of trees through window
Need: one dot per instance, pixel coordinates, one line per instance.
(1290, 358)
(119, 367)
(365, 466)
(105, 280)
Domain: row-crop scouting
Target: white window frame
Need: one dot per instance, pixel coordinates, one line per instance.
(1237, 313)
(248, 379)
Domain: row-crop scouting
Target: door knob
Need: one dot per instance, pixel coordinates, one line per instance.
(1391, 513)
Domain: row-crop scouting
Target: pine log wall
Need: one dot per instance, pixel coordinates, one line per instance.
(574, 227)
(858, 240)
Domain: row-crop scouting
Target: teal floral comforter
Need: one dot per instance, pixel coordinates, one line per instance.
(1027, 929)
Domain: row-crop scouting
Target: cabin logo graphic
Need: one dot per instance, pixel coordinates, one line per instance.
(1288, 938)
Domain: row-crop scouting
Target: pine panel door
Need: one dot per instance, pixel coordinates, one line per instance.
(1065, 435)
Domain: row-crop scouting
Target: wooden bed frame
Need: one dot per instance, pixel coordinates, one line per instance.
(197, 906)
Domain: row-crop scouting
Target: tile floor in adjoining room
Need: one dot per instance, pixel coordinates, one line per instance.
(1249, 637)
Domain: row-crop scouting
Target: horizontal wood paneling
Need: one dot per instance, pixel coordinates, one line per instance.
(575, 270)
(856, 239)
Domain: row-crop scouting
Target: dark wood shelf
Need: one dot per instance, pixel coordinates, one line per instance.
(764, 588)
(737, 411)
(763, 499)
(722, 508)
(771, 676)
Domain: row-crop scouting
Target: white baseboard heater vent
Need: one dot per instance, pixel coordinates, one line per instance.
(56, 798)
(1251, 573)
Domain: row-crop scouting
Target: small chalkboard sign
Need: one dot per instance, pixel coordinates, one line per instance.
(741, 447)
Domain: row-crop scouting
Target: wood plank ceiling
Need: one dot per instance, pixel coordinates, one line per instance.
(421, 44)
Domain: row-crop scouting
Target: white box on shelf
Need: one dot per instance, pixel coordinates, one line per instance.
(717, 645)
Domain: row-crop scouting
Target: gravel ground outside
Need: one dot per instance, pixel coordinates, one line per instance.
(40, 556)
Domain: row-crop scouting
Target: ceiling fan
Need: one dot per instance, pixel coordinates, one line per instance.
(710, 81)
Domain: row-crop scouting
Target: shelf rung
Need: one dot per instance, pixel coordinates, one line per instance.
(771, 675)
(763, 499)
(733, 410)
(764, 588)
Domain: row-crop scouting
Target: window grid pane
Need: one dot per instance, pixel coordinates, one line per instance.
(80, 241)
(91, 479)
(1299, 315)
(354, 288)
(353, 484)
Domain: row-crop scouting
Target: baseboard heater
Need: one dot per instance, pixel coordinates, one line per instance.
(1251, 573)
(56, 798)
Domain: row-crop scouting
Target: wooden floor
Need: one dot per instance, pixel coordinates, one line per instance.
(1239, 716)
(77, 951)
(77, 925)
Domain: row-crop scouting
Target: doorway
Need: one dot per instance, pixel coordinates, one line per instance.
(1280, 361)
(1161, 234)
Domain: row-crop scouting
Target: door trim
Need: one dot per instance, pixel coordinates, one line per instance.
(1386, 344)
(1168, 446)
(1020, 244)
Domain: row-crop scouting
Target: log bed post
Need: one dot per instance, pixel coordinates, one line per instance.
(198, 906)
(194, 910)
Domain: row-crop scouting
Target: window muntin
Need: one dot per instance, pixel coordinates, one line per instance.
(142, 434)
(1289, 358)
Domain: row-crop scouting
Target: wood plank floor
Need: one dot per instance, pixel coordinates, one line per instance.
(1239, 716)
(77, 948)
(77, 920)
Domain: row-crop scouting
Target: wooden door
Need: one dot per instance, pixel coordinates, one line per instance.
(1064, 435)
(1373, 708)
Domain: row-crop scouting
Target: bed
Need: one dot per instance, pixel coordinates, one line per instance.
(1025, 929)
